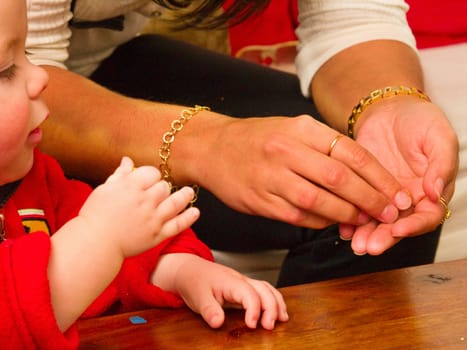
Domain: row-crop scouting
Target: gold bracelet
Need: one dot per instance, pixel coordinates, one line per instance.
(376, 95)
(167, 140)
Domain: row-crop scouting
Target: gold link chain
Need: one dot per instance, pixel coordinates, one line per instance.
(167, 140)
(376, 95)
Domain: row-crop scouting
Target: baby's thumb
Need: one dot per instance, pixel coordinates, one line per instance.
(126, 164)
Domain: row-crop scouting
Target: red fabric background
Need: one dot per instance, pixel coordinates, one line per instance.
(434, 22)
(438, 23)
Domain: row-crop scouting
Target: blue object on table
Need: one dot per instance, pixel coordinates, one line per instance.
(137, 320)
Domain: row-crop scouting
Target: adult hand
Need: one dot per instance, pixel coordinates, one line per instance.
(278, 167)
(413, 139)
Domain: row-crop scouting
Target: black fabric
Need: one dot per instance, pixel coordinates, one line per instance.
(115, 23)
(6, 191)
(161, 69)
(327, 257)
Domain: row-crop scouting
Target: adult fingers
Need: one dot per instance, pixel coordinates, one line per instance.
(374, 239)
(441, 146)
(342, 148)
(426, 216)
(380, 181)
(360, 237)
(350, 180)
(439, 179)
(346, 231)
(297, 201)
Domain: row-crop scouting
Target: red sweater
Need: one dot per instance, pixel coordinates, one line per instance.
(438, 23)
(43, 202)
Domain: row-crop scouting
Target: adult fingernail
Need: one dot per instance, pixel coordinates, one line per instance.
(363, 218)
(359, 253)
(403, 200)
(389, 214)
(439, 187)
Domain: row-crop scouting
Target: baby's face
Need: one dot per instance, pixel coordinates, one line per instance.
(21, 84)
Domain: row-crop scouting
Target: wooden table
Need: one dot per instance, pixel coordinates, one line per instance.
(423, 307)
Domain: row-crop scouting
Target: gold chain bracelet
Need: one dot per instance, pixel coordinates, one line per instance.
(376, 95)
(167, 140)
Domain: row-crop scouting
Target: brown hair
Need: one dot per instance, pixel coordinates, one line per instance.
(205, 14)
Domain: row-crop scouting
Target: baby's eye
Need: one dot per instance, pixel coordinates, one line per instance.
(9, 73)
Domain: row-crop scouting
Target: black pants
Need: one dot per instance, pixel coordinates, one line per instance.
(160, 69)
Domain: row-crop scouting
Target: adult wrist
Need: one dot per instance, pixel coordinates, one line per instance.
(379, 95)
(168, 138)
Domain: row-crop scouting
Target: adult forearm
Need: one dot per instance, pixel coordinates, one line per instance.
(90, 128)
(356, 71)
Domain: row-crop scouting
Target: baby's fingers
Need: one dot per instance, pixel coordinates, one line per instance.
(145, 176)
(180, 222)
(272, 305)
(175, 203)
(171, 211)
(281, 305)
(210, 309)
(125, 167)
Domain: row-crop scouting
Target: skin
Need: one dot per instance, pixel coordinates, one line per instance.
(101, 228)
(411, 137)
(347, 188)
(278, 144)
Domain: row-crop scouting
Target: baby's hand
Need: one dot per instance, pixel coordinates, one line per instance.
(206, 287)
(135, 210)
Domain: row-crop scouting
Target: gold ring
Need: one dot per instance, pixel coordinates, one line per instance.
(447, 211)
(333, 143)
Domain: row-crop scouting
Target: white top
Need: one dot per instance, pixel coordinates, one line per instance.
(329, 26)
(51, 41)
(326, 27)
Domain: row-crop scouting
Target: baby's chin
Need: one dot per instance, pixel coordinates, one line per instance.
(16, 173)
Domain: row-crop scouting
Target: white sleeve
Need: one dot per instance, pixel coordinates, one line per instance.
(329, 26)
(48, 36)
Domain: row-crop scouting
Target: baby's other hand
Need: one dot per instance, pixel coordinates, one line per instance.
(207, 287)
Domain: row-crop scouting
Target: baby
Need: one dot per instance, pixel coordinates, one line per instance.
(68, 252)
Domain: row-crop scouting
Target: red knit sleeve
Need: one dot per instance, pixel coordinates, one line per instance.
(26, 316)
(135, 289)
